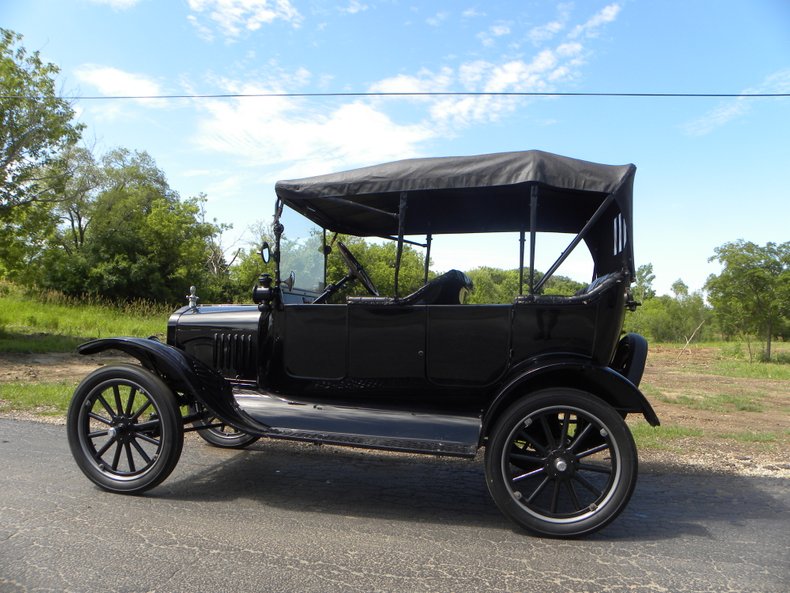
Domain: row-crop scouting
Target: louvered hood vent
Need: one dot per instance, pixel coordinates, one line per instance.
(234, 354)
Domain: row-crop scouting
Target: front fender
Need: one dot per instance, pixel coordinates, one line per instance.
(184, 373)
(578, 373)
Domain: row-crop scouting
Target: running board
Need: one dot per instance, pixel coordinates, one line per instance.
(394, 430)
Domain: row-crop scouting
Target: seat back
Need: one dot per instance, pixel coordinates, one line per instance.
(446, 289)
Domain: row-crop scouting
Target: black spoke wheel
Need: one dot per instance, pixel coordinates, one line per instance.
(124, 428)
(561, 463)
(215, 432)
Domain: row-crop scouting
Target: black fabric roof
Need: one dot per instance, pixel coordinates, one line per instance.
(484, 193)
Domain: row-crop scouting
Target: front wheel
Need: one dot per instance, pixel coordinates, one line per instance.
(561, 463)
(124, 428)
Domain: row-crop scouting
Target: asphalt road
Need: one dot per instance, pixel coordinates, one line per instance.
(290, 517)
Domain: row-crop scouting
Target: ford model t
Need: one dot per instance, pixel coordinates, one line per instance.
(543, 382)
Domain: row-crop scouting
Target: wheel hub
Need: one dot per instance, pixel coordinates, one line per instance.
(560, 464)
(121, 429)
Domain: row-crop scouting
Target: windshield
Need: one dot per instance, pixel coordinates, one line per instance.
(301, 252)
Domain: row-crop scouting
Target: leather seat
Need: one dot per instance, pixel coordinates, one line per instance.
(447, 289)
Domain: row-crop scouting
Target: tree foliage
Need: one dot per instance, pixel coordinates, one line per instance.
(492, 285)
(115, 230)
(643, 287)
(35, 124)
(665, 318)
(671, 318)
(751, 295)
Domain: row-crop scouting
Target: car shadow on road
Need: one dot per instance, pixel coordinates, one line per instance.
(668, 502)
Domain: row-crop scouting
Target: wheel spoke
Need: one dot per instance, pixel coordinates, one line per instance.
(148, 439)
(98, 433)
(592, 451)
(538, 490)
(580, 437)
(106, 406)
(584, 482)
(526, 458)
(117, 393)
(130, 402)
(528, 474)
(104, 448)
(129, 457)
(101, 419)
(574, 498)
(522, 434)
(117, 457)
(555, 497)
(601, 469)
(547, 432)
(142, 409)
(141, 452)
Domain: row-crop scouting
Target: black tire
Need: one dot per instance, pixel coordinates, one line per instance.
(222, 435)
(561, 463)
(124, 428)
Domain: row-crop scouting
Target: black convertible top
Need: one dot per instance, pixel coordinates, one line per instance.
(484, 193)
(527, 192)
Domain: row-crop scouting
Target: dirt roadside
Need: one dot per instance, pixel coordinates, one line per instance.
(673, 383)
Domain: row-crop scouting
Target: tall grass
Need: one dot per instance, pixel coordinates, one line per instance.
(52, 322)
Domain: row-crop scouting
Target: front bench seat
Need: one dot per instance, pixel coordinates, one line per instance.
(447, 289)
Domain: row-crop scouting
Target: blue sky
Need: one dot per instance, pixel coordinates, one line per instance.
(710, 170)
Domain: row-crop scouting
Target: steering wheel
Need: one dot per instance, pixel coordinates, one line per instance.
(356, 270)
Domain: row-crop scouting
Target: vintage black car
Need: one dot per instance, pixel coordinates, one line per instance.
(543, 382)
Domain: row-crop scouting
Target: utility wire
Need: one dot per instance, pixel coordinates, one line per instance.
(408, 94)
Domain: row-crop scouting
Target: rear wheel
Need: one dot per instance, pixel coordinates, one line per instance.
(561, 463)
(217, 433)
(124, 428)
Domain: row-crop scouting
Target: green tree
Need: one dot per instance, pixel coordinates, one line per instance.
(35, 124)
(643, 289)
(751, 295)
(133, 238)
(492, 285)
(678, 318)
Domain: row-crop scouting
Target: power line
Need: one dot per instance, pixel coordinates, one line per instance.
(409, 94)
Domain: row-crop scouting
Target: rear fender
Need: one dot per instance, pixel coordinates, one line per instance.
(183, 373)
(577, 373)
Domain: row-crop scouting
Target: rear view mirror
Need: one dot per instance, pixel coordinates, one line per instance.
(266, 252)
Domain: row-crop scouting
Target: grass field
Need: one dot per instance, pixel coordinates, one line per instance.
(50, 322)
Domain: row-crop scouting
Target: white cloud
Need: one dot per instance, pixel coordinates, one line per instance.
(545, 32)
(236, 17)
(437, 19)
(426, 81)
(488, 37)
(116, 4)
(591, 28)
(111, 81)
(353, 7)
(471, 13)
(724, 113)
(285, 132)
